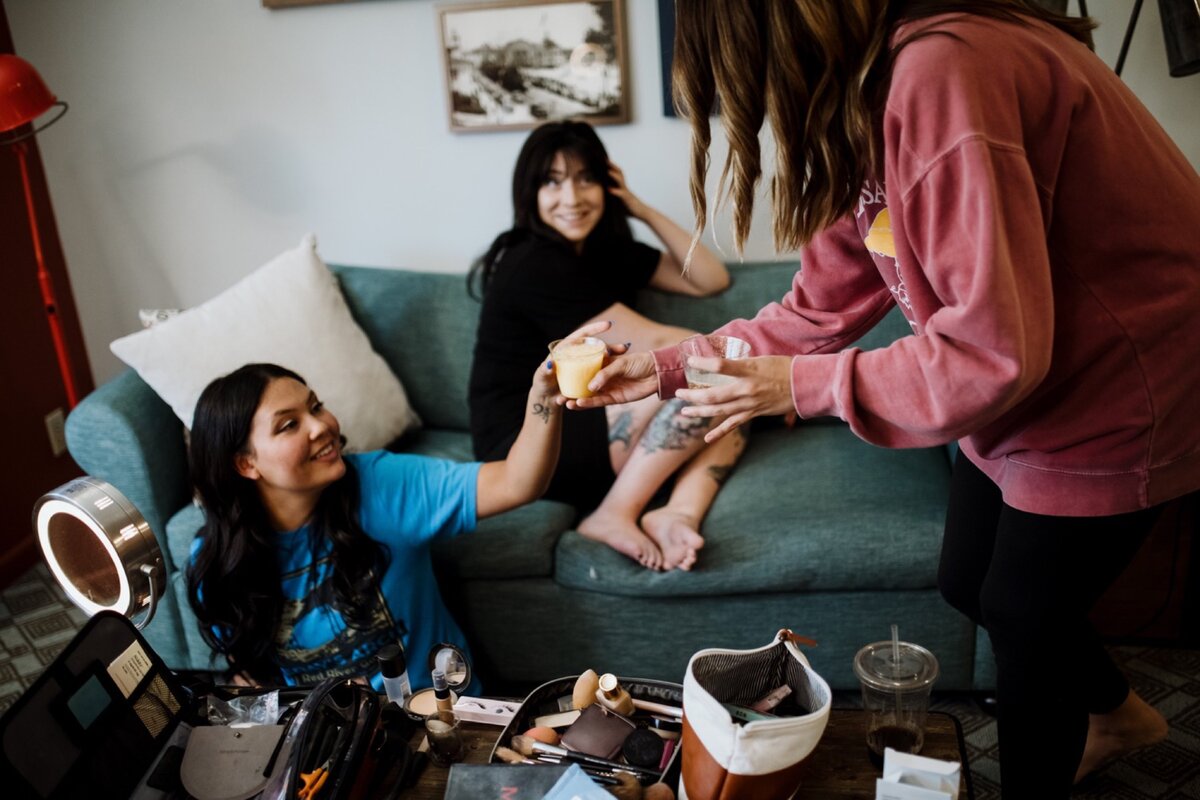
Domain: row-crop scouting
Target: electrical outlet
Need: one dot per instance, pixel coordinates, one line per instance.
(56, 422)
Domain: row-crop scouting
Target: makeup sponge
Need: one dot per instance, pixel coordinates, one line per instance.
(585, 689)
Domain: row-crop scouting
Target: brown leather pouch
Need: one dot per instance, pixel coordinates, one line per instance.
(598, 732)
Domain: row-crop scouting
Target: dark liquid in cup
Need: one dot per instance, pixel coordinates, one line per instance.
(902, 740)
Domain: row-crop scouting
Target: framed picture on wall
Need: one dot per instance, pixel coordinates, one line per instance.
(513, 64)
(666, 52)
(293, 3)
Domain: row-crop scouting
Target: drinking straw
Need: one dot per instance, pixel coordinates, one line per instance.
(896, 667)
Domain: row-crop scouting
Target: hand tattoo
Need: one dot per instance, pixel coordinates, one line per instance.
(542, 411)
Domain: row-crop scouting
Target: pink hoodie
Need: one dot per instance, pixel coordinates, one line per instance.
(1041, 233)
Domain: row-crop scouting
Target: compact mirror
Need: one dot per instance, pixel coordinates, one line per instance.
(450, 659)
(100, 549)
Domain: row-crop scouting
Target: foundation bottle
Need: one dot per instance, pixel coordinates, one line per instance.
(613, 696)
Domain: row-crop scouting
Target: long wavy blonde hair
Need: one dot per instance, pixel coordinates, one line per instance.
(818, 70)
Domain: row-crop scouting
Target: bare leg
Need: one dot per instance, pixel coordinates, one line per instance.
(676, 526)
(1132, 725)
(668, 441)
(625, 425)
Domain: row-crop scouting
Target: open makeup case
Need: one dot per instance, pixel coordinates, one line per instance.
(649, 734)
(108, 719)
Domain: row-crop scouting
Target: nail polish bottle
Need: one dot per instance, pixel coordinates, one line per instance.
(614, 696)
(394, 668)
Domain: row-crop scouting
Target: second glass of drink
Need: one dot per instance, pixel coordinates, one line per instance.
(711, 346)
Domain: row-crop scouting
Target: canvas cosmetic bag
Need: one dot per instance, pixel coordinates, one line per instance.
(731, 750)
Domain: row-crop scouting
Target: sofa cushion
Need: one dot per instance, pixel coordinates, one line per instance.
(181, 530)
(288, 312)
(423, 324)
(809, 509)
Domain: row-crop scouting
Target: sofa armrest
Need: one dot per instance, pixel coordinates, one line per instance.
(125, 434)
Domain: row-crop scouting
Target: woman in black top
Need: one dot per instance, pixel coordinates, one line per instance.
(570, 258)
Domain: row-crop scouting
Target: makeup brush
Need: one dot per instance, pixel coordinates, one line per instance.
(512, 756)
(528, 747)
(675, 712)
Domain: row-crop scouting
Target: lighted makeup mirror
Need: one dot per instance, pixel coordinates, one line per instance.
(100, 549)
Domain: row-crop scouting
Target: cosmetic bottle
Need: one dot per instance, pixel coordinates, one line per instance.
(394, 668)
(441, 696)
(612, 695)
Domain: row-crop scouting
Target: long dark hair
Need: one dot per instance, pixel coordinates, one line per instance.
(233, 580)
(571, 138)
(819, 71)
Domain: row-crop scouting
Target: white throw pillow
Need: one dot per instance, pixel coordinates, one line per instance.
(288, 312)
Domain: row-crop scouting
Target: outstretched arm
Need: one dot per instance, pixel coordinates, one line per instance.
(525, 474)
(705, 275)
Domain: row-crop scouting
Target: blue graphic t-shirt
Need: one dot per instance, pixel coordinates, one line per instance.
(406, 502)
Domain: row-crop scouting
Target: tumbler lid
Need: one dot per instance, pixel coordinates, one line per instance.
(876, 665)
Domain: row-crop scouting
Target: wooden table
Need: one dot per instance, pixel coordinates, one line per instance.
(838, 768)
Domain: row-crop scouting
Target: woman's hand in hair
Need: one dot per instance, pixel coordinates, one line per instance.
(706, 274)
(763, 388)
(637, 209)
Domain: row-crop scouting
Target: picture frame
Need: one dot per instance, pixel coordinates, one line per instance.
(274, 4)
(666, 52)
(514, 64)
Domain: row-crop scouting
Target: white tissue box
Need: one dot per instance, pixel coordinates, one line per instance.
(909, 777)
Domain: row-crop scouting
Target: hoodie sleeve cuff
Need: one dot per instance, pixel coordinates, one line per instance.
(814, 383)
(668, 363)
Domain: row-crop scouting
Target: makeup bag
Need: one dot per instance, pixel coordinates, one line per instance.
(729, 749)
(545, 700)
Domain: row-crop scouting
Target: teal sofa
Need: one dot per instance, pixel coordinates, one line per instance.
(815, 530)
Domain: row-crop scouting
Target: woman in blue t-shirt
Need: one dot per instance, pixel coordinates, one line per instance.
(310, 560)
(569, 259)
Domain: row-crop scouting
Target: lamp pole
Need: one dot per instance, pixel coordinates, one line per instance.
(45, 282)
(24, 98)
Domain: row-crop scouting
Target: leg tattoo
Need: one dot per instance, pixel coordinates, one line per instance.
(720, 473)
(671, 431)
(622, 429)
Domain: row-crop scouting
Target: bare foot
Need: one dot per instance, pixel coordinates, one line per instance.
(1133, 725)
(624, 536)
(676, 536)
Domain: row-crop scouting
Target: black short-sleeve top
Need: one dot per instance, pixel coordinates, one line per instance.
(540, 291)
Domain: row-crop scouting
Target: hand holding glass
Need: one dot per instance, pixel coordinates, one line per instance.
(576, 362)
(710, 346)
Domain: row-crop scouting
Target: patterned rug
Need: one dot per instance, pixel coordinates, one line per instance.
(37, 621)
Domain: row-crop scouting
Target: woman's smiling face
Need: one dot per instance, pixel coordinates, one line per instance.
(294, 447)
(571, 199)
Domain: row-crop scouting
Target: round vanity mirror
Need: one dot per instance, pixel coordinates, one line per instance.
(100, 549)
(450, 659)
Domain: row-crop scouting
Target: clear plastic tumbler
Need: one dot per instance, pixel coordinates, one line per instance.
(896, 679)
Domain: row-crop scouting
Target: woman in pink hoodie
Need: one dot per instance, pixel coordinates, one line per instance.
(977, 165)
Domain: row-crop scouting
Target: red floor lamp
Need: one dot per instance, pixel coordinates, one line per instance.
(24, 98)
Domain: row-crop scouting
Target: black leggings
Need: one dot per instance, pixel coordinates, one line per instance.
(1030, 581)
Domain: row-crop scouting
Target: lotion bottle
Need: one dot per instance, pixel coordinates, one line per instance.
(612, 695)
(394, 669)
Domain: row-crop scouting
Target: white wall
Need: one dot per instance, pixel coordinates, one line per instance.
(207, 135)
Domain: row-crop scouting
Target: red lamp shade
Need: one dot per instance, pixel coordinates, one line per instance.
(24, 96)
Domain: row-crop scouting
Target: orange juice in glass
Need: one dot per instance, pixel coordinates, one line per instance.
(576, 362)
